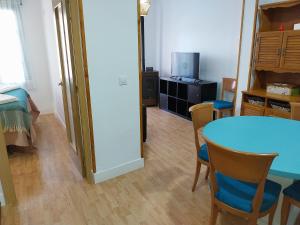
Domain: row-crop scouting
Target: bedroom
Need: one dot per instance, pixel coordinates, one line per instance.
(37, 93)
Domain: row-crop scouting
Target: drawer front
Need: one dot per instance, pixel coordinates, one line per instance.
(277, 113)
(252, 110)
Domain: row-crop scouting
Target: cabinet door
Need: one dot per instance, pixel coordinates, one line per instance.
(290, 59)
(268, 49)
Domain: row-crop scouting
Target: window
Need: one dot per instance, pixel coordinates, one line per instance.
(12, 63)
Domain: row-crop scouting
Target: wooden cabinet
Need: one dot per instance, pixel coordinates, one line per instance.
(150, 88)
(290, 58)
(268, 49)
(276, 59)
(278, 51)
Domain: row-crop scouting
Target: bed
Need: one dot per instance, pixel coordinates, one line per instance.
(17, 119)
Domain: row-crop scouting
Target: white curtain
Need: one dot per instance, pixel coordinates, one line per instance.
(13, 66)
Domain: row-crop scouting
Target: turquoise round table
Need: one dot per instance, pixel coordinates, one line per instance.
(255, 134)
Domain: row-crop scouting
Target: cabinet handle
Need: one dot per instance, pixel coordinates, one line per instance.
(279, 51)
(284, 52)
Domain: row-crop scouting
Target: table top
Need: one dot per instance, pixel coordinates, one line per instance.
(255, 134)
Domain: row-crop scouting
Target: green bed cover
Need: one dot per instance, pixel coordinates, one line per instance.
(14, 116)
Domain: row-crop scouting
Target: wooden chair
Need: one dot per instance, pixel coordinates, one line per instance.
(222, 106)
(295, 110)
(291, 197)
(202, 114)
(239, 185)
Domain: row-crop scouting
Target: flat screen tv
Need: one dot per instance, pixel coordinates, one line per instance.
(186, 64)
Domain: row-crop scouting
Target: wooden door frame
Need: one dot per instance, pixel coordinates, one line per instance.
(76, 40)
(5, 173)
(140, 77)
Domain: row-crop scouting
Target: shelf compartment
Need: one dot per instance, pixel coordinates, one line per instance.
(172, 104)
(279, 105)
(172, 89)
(163, 101)
(254, 100)
(163, 86)
(182, 107)
(182, 91)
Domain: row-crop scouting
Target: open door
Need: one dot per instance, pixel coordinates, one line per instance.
(69, 85)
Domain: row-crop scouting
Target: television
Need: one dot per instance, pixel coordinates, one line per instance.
(185, 64)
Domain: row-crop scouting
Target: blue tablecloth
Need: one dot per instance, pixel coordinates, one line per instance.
(261, 135)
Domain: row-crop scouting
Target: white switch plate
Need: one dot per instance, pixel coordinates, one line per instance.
(122, 81)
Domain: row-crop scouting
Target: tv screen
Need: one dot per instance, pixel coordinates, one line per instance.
(186, 64)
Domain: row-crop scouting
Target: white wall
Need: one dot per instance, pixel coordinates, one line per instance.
(209, 27)
(112, 50)
(36, 52)
(245, 61)
(53, 57)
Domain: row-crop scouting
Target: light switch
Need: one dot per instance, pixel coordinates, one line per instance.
(122, 81)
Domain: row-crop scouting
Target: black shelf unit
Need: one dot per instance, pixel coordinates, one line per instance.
(177, 96)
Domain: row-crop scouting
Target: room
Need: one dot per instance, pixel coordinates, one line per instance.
(125, 135)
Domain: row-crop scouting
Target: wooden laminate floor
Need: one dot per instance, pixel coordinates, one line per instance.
(51, 191)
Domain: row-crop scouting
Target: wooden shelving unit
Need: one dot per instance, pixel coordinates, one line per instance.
(276, 59)
(177, 96)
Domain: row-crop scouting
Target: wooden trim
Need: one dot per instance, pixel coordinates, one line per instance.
(239, 55)
(5, 174)
(87, 85)
(82, 78)
(140, 78)
(252, 45)
(282, 4)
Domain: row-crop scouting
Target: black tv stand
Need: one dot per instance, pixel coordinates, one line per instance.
(176, 96)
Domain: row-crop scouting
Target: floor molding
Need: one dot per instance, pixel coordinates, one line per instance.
(118, 170)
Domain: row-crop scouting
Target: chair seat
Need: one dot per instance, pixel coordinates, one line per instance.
(293, 191)
(203, 153)
(239, 195)
(220, 104)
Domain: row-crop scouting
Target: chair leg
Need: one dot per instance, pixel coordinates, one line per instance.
(214, 214)
(271, 215)
(285, 211)
(219, 114)
(297, 220)
(198, 168)
(207, 173)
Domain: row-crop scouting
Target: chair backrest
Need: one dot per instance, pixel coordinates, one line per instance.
(242, 166)
(229, 85)
(295, 111)
(202, 114)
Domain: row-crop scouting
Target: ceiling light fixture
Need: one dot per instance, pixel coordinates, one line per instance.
(144, 7)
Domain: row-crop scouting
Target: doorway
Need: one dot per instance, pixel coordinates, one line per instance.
(68, 85)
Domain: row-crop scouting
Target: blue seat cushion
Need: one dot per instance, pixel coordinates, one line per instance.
(293, 191)
(239, 195)
(220, 104)
(203, 153)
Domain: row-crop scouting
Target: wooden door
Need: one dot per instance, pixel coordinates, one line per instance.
(268, 50)
(68, 84)
(290, 59)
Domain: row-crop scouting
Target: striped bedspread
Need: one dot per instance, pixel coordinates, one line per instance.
(15, 116)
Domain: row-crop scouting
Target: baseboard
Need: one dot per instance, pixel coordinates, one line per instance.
(118, 171)
(2, 199)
